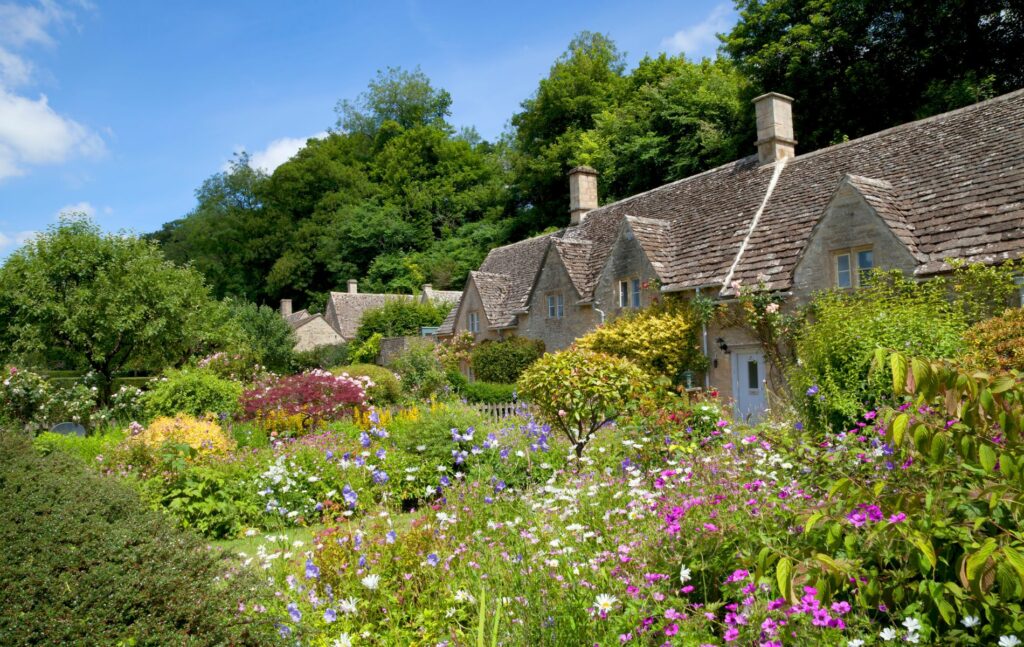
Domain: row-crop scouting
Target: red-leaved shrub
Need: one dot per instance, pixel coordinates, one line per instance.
(308, 398)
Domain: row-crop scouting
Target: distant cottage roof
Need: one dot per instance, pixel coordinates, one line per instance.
(948, 186)
(345, 310)
(298, 319)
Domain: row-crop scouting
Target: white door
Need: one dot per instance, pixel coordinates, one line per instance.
(748, 384)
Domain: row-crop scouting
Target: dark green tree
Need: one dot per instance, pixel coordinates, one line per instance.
(859, 66)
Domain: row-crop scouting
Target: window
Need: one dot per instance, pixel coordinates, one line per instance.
(556, 306)
(629, 293)
(474, 322)
(753, 382)
(852, 266)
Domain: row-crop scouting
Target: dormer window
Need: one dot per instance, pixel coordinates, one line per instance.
(474, 322)
(852, 266)
(556, 306)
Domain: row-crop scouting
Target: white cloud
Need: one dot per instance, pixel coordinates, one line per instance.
(699, 40)
(279, 151)
(15, 239)
(78, 207)
(31, 131)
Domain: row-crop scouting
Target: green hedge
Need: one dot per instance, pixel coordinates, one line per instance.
(386, 387)
(196, 392)
(489, 392)
(85, 563)
(505, 360)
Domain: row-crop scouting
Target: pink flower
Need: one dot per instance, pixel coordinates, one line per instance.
(731, 634)
(672, 629)
(771, 308)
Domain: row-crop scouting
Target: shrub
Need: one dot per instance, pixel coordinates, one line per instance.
(455, 351)
(85, 563)
(204, 436)
(365, 351)
(196, 392)
(24, 398)
(997, 344)
(422, 375)
(323, 357)
(88, 448)
(268, 337)
(400, 317)
(579, 391)
(316, 396)
(661, 339)
(386, 389)
(489, 392)
(236, 367)
(832, 382)
(505, 360)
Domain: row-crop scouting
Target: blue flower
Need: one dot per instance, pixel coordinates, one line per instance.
(812, 391)
(433, 559)
(391, 536)
(293, 611)
(364, 439)
(330, 615)
(312, 570)
(380, 477)
(349, 495)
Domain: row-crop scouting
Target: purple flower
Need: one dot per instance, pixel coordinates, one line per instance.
(293, 611)
(380, 477)
(312, 570)
(330, 615)
(433, 559)
(350, 496)
(391, 536)
(812, 391)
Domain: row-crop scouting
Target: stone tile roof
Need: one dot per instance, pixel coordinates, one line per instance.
(497, 297)
(509, 272)
(346, 309)
(447, 296)
(959, 175)
(951, 185)
(447, 327)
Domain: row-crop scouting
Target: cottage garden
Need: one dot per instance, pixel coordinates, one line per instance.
(878, 502)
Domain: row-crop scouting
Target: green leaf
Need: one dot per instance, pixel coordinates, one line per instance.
(813, 519)
(1003, 383)
(899, 427)
(987, 457)
(925, 546)
(899, 372)
(784, 577)
(1016, 560)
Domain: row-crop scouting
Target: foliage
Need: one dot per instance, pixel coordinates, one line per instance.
(579, 391)
(661, 339)
(455, 351)
(504, 360)
(322, 357)
(202, 436)
(488, 392)
(398, 317)
(90, 449)
(192, 391)
(386, 387)
(983, 291)
(421, 372)
(268, 337)
(231, 366)
(31, 402)
(831, 381)
(997, 344)
(105, 302)
(365, 352)
(866, 66)
(316, 396)
(85, 563)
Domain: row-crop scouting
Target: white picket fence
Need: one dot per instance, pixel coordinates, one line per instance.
(502, 410)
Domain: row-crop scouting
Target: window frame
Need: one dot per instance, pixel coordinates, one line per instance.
(556, 305)
(855, 270)
(473, 322)
(630, 292)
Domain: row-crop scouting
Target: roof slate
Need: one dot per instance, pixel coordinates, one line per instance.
(348, 309)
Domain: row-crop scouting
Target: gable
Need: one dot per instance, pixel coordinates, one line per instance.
(861, 214)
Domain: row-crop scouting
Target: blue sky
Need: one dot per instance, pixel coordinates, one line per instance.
(121, 109)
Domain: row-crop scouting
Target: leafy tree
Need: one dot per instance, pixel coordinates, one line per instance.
(503, 361)
(267, 335)
(406, 98)
(400, 317)
(105, 302)
(859, 66)
(585, 80)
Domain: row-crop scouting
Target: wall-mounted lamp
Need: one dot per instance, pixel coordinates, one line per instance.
(722, 345)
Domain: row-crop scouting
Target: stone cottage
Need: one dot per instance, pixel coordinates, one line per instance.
(911, 197)
(340, 320)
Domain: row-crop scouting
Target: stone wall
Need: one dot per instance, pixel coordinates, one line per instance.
(626, 261)
(471, 303)
(556, 333)
(316, 332)
(392, 347)
(849, 222)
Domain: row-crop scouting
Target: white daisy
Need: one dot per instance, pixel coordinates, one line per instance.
(371, 581)
(605, 602)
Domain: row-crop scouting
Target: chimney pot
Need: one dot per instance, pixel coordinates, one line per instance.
(582, 193)
(286, 307)
(353, 286)
(774, 127)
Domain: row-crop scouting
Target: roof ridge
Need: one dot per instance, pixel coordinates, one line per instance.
(912, 124)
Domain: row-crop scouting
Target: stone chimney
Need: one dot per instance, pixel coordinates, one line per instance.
(353, 286)
(774, 127)
(427, 290)
(582, 193)
(286, 307)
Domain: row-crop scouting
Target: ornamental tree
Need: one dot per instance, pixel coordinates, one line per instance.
(104, 302)
(579, 391)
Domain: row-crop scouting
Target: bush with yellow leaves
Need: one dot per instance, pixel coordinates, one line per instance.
(661, 339)
(204, 435)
